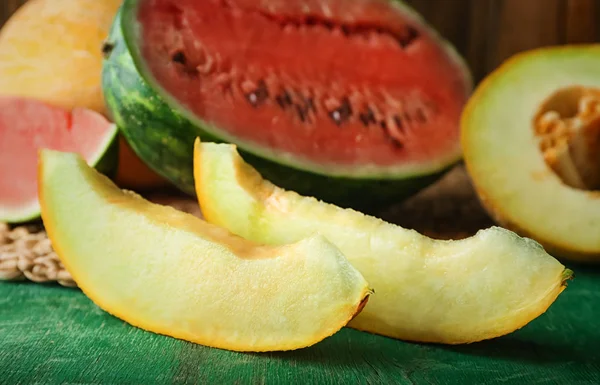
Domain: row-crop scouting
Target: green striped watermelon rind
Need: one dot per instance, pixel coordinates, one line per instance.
(105, 160)
(162, 134)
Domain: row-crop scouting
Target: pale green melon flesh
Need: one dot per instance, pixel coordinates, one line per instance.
(425, 290)
(506, 165)
(171, 273)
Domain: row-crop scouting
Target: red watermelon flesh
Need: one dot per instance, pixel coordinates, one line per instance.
(338, 84)
(27, 125)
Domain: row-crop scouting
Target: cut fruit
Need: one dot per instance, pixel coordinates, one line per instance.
(532, 148)
(51, 50)
(171, 273)
(27, 125)
(281, 81)
(425, 290)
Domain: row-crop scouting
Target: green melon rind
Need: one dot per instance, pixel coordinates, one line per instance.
(105, 160)
(163, 137)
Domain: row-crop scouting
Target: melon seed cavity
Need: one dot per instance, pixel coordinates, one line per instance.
(567, 126)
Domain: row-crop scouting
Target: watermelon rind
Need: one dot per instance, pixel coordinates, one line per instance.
(162, 134)
(105, 160)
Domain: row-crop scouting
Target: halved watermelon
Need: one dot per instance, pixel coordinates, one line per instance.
(353, 102)
(26, 125)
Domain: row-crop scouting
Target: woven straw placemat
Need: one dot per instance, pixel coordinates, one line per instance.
(448, 209)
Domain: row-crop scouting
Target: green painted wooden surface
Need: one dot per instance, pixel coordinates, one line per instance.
(55, 335)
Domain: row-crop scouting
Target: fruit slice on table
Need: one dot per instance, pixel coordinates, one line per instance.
(364, 96)
(425, 290)
(531, 136)
(27, 125)
(171, 273)
(51, 50)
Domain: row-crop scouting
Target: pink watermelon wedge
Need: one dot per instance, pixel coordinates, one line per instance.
(26, 125)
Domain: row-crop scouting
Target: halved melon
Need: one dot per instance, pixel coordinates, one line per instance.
(425, 290)
(356, 102)
(531, 136)
(172, 273)
(27, 125)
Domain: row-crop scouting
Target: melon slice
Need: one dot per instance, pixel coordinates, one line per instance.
(364, 93)
(425, 290)
(27, 125)
(531, 136)
(172, 273)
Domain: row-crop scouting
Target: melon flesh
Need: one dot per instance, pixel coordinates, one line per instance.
(426, 290)
(172, 273)
(502, 150)
(26, 125)
(361, 89)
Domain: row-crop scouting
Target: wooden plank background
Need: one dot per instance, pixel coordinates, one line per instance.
(488, 31)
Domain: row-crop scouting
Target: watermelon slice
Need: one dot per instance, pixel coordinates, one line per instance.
(26, 125)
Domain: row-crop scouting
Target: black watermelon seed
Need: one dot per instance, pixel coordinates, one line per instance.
(309, 104)
(284, 100)
(367, 117)
(399, 123)
(179, 57)
(302, 112)
(409, 35)
(259, 95)
(107, 49)
(341, 114)
(395, 142)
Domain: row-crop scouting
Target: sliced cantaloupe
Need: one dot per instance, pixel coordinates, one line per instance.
(171, 273)
(425, 290)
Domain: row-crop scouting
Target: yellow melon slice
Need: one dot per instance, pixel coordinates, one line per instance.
(51, 50)
(425, 290)
(172, 273)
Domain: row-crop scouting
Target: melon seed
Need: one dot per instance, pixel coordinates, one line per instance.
(255, 94)
(567, 125)
(367, 118)
(284, 99)
(107, 49)
(342, 113)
